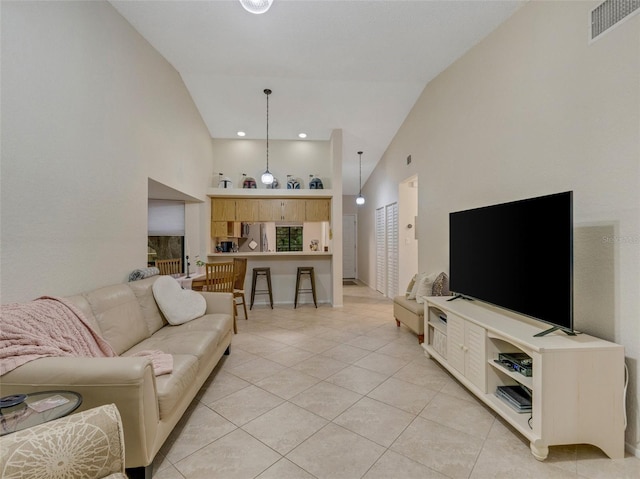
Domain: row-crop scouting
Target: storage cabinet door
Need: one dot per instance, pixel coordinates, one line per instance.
(223, 209)
(248, 210)
(293, 210)
(455, 342)
(318, 210)
(270, 210)
(475, 358)
(219, 229)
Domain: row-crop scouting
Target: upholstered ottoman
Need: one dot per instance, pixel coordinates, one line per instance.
(409, 313)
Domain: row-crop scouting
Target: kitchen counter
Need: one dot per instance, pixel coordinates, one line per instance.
(284, 266)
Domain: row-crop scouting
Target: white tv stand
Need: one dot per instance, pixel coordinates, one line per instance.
(577, 381)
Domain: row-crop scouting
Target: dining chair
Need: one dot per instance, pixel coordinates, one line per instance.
(220, 278)
(169, 266)
(240, 271)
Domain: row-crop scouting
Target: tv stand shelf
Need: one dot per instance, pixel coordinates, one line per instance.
(577, 381)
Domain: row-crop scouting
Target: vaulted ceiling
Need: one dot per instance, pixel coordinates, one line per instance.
(354, 65)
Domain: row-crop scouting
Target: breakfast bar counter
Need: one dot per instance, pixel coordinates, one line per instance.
(284, 267)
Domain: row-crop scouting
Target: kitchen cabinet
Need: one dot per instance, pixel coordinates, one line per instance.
(269, 209)
(248, 209)
(223, 209)
(282, 210)
(218, 229)
(318, 210)
(293, 210)
(226, 229)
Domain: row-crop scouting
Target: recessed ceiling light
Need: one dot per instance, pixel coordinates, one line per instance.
(302, 135)
(241, 133)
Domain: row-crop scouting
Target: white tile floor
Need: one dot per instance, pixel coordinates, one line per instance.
(344, 393)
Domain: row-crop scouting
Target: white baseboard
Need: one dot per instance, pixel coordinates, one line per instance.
(634, 451)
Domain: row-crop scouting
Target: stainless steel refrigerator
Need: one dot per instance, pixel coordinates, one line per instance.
(253, 238)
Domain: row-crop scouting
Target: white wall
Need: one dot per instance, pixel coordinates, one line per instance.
(534, 109)
(89, 111)
(407, 241)
(299, 158)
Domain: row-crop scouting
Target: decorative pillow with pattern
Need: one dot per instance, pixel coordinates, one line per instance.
(441, 285)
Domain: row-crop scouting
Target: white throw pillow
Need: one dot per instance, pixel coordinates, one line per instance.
(416, 282)
(178, 305)
(424, 287)
(410, 285)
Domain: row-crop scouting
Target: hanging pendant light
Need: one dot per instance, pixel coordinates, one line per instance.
(360, 198)
(267, 177)
(256, 6)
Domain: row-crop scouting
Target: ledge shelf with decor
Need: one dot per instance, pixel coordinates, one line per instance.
(576, 382)
(265, 192)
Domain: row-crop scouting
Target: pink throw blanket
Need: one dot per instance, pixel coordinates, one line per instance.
(53, 327)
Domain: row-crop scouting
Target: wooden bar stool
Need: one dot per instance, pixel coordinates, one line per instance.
(305, 270)
(266, 272)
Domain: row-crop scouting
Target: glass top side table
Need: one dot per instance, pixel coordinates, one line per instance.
(38, 408)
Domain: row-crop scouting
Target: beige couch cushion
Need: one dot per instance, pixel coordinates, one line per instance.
(150, 311)
(199, 337)
(172, 387)
(83, 305)
(118, 313)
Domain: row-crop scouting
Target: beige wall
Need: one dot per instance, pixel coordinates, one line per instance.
(299, 158)
(89, 111)
(534, 109)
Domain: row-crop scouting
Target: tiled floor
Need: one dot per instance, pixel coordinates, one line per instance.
(344, 393)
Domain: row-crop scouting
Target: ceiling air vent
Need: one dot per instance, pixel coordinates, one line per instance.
(609, 13)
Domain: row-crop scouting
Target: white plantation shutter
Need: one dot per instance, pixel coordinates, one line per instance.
(392, 249)
(381, 264)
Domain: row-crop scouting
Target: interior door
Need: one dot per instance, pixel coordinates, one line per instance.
(349, 249)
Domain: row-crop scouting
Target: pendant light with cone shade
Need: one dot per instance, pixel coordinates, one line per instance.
(360, 198)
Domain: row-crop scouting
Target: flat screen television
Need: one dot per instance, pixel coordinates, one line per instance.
(518, 256)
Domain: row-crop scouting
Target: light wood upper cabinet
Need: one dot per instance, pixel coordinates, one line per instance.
(293, 210)
(269, 209)
(223, 209)
(282, 210)
(318, 210)
(218, 229)
(226, 229)
(248, 209)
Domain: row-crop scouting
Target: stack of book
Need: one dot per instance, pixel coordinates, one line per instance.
(516, 396)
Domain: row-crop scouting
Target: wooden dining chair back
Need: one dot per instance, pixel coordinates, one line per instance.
(240, 267)
(169, 266)
(219, 277)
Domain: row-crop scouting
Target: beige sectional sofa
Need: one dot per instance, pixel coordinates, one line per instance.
(128, 318)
